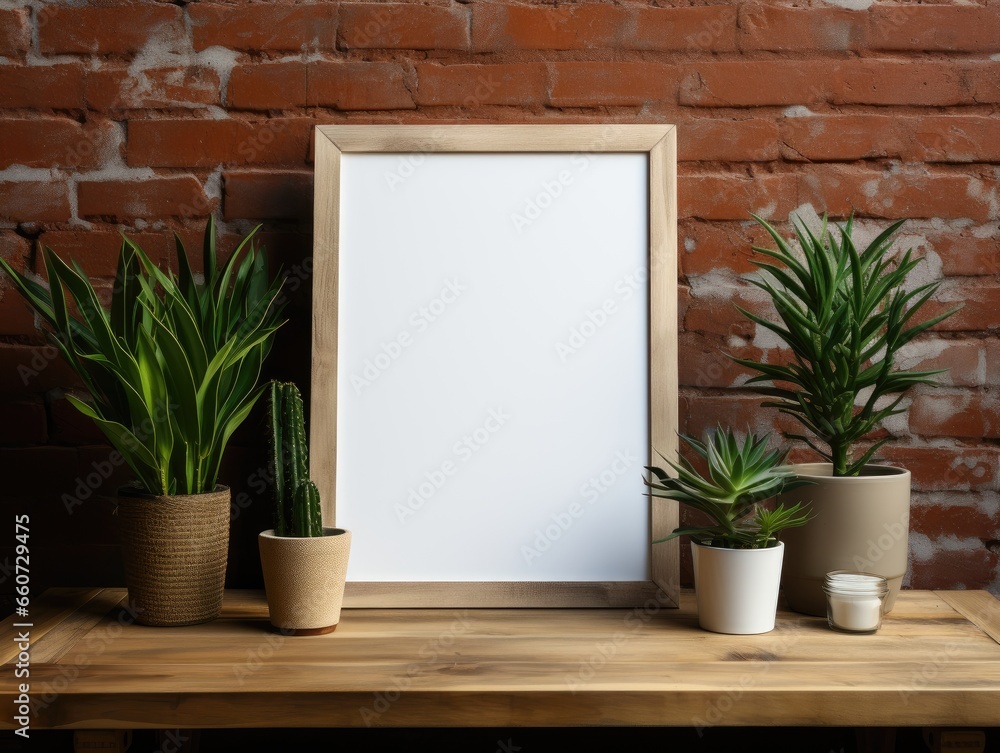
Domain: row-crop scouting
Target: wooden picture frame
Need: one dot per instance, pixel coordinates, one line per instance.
(658, 145)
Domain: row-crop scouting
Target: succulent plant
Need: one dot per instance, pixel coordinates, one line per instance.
(296, 497)
(844, 314)
(740, 477)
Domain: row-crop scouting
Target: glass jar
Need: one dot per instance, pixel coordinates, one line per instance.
(854, 601)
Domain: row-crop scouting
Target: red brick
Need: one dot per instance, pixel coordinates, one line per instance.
(704, 362)
(267, 86)
(898, 82)
(950, 569)
(207, 143)
(755, 83)
(404, 27)
(42, 87)
(180, 196)
(710, 28)
(117, 89)
(716, 314)
(963, 359)
(963, 514)
(612, 84)
(23, 422)
(704, 139)
(29, 369)
(978, 298)
(358, 86)
(562, 27)
(951, 138)
(268, 26)
(15, 32)
(70, 426)
(963, 413)
(993, 362)
(907, 193)
(701, 412)
(270, 195)
(181, 143)
(97, 251)
(946, 468)
(52, 142)
(982, 80)
(963, 253)
(943, 28)
(121, 28)
(34, 202)
(829, 138)
(733, 197)
(522, 84)
(784, 28)
(16, 319)
(711, 246)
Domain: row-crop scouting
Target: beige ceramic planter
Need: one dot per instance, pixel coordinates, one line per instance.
(862, 523)
(304, 580)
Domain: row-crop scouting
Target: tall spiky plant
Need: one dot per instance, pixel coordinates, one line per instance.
(740, 477)
(844, 315)
(296, 497)
(172, 367)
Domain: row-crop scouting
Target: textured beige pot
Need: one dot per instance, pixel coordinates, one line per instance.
(304, 580)
(862, 523)
(174, 550)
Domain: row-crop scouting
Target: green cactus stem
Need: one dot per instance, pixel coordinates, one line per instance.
(296, 498)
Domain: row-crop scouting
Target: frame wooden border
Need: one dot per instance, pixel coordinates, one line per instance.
(660, 143)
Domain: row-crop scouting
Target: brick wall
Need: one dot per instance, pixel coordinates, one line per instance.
(148, 116)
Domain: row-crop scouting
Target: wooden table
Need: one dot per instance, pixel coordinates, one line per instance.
(935, 662)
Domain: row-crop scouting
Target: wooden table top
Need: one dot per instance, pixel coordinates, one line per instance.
(936, 661)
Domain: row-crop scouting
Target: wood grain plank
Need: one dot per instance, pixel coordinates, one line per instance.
(606, 137)
(45, 613)
(930, 664)
(980, 607)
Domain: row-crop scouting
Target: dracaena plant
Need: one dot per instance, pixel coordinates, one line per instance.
(172, 366)
(844, 315)
(740, 477)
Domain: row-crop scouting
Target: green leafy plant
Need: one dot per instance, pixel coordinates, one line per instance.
(740, 477)
(296, 498)
(172, 367)
(844, 315)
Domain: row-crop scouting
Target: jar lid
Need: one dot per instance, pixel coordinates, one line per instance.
(852, 583)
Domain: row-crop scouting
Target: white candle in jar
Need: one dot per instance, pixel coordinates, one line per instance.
(855, 612)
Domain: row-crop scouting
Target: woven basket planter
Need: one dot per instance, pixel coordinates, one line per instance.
(174, 550)
(304, 580)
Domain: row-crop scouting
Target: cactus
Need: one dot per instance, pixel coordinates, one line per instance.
(296, 498)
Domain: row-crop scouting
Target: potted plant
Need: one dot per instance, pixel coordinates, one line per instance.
(172, 369)
(844, 314)
(304, 563)
(737, 558)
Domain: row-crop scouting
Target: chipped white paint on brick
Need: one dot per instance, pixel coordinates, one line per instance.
(851, 4)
